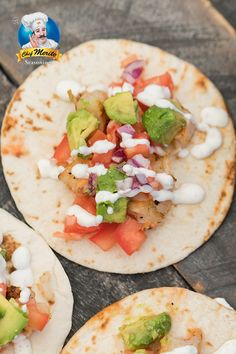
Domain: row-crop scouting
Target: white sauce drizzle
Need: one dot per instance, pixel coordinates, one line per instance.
(99, 147)
(110, 210)
(152, 93)
(228, 347)
(49, 169)
(188, 349)
(216, 117)
(166, 180)
(83, 170)
(187, 193)
(22, 345)
(22, 277)
(223, 302)
(64, 86)
(163, 103)
(21, 258)
(128, 141)
(212, 117)
(213, 142)
(112, 91)
(83, 217)
(24, 295)
(105, 196)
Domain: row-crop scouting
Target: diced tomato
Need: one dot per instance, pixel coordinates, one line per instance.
(111, 131)
(3, 289)
(138, 149)
(105, 238)
(142, 135)
(72, 227)
(98, 135)
(37, 319)
(67, 236)
(62, 152)
(130, 236)
(102, 158)
(128, 60)
(162, 80)
(139, 128)
(113, 84)
(87, 202)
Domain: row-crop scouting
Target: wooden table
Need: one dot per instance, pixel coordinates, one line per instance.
(191, 29)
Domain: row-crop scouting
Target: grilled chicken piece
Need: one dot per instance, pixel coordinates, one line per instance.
(13, 292)
(75, 184)
(93, 102)
(147, 212)
(185, 135)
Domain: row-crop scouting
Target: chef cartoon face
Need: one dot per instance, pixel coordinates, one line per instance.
(40, 34)
(35, 24)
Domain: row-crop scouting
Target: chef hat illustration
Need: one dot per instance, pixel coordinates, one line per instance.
(34, 20)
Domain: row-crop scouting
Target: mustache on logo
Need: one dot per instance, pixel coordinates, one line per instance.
(42, 36)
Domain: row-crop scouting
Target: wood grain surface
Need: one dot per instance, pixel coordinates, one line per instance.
(191, 29)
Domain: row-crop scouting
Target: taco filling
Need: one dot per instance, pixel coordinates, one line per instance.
(150, 335)
(159, 321)
(115, 156)
(20, 313)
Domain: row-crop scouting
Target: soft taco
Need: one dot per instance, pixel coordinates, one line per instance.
(121, 156)
(156, 321)
(35, 294)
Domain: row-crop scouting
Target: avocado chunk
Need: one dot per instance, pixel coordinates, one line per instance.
(121, 108)
(145, 331)
(12, 320)
(163, 124)
(107, 182)
(119, 211)
(79, 126)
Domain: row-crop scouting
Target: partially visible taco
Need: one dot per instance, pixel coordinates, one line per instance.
(35, 294)
(156, 321)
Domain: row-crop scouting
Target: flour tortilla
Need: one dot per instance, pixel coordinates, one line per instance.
(35, 121)
(43, 260)
(188, 310)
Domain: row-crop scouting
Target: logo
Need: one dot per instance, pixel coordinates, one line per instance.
(38, 36)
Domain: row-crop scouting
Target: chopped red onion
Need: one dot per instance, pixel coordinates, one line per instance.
(92, 183)
(127, 128)
(140, 161)
(142, 179)
(133, 71)
(124, 184)
(135, 183)
(128, 77)
(118, 156)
